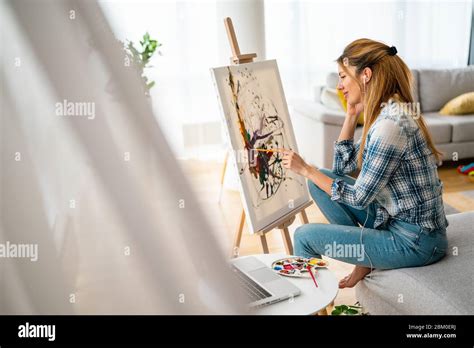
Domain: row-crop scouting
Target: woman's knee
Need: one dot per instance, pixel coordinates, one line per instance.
(300, 237)
(306, 237)
(299, 233)
(301, 247)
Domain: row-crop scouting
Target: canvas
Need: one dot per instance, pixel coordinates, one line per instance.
(256, 115)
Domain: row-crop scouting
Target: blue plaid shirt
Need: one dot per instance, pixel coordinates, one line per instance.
(399, 172)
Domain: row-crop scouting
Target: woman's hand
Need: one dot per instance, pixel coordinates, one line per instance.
(293, 161)
(350, 122)
(354, 110)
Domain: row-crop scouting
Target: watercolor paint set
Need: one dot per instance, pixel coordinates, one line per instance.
(297, 266)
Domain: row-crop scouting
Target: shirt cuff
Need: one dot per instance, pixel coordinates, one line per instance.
(344, 142)
(337, 187)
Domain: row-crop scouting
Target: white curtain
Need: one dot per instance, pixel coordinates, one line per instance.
(100, 194)
(307, 36)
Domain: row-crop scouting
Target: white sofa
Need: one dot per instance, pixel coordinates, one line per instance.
(317, 126)
(443, 288)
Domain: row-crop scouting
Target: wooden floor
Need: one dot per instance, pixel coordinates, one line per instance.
(205, 179)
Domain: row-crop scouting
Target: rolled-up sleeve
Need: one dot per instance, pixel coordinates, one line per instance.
(345, 156)
(385, 150)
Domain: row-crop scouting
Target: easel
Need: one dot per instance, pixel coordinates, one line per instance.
(238, 58)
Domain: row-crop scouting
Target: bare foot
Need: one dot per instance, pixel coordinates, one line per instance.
(352, 279)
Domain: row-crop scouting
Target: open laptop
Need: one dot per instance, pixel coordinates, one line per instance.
(262, 286)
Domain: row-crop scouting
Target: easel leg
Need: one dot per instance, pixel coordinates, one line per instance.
(330, 308)
(287, 241)
(224, 167)
(323, 311)
(304, 217)
(238, 236)
(263, 240)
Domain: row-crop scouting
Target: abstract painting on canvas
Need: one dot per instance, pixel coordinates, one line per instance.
(256, 115)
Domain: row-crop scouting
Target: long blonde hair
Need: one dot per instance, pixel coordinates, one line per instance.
(390, 77)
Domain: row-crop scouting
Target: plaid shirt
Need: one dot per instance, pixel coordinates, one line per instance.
(398, 173)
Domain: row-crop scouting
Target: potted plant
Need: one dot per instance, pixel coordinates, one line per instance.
(140, 57)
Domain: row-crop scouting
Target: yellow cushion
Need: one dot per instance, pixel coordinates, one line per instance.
(464, 104)
(343, 100)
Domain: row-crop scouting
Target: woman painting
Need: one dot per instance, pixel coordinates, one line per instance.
(393, 213)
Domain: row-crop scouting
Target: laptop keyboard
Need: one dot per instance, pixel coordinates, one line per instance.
(254, 291)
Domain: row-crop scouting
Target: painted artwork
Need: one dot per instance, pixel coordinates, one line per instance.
(257, 119)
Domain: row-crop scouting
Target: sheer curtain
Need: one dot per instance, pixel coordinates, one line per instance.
(307, 36)
(97, 190)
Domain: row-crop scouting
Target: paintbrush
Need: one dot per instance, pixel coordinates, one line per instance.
(312, 275)
(270, 150)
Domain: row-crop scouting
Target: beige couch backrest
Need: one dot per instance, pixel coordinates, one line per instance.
(437, 87)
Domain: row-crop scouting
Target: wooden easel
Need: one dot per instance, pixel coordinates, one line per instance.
(238, 58)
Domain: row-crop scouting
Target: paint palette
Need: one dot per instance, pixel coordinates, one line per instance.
(297, 266)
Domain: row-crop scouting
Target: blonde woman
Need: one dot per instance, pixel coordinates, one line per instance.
(392, 215)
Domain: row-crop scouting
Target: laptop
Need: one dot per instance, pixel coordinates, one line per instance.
(262, 286)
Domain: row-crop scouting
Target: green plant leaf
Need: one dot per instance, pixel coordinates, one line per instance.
(352, 311)
(150, 85)
(336, 312)
(140, 57)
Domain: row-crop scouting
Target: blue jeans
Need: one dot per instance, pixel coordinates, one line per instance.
(399, 245)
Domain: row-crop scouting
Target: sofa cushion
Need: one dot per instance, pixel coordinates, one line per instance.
(461, 105)
(437, 87)
(441, 288)
(332, 79)
(462, 126)
(317, 112)
(330, 98)
(440, 129)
